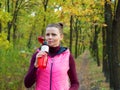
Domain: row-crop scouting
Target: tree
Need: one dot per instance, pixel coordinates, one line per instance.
(13, 7)
(45, 4)
(107, 42)
(116, 48)
(71, 31)
(77, 36)
(9, 23)
(0, 21)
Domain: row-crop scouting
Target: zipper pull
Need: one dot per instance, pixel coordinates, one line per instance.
(52, 60)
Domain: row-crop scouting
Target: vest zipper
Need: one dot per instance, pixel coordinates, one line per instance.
(51, 75)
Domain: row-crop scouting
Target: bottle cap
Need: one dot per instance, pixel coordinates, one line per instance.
(45, 47)
(44, 43)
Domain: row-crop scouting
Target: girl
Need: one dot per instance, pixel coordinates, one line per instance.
(60, 73)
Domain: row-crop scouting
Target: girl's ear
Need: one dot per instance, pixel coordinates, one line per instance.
(62, 36)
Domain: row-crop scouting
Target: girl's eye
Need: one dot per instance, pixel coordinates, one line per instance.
(47, 34)
(53, 34)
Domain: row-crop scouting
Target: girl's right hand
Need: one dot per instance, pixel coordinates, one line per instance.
(39, 54)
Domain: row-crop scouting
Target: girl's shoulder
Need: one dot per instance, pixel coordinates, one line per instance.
(63, 49)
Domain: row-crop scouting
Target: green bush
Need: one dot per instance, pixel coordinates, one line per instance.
(13, 67)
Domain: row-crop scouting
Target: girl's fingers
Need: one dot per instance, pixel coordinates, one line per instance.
(40, 54)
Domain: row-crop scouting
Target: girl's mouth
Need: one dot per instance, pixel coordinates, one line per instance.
(50, 41)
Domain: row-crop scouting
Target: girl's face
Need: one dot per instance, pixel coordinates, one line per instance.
(53, 36)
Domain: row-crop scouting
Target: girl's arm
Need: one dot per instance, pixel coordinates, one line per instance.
(30, 77)
(72, 74)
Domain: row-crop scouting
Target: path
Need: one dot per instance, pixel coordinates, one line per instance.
(83, 71)
(90, 76)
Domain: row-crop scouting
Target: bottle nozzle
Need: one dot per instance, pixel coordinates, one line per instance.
(41, 39)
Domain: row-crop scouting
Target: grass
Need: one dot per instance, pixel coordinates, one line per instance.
(96, 77)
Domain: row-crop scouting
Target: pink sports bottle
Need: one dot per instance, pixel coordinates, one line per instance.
(42, 61)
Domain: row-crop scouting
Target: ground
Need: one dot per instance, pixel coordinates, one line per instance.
(90, 75)
(83, 72)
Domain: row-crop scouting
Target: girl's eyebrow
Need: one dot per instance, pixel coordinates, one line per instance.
(51, 33)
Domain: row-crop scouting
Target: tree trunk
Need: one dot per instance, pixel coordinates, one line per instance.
(14, 33)
(116, 48)
(14, 19)
(108, 28)
(15, 22)
(0, 27)
(0, 22)
(45, 3)
(105, 67)
(76, 41)
(9, 23)
(95, 45)
(31, 36)
(30, 39)
(79, 41)
(71, 29)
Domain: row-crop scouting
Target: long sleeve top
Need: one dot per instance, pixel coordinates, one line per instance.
(30, 77)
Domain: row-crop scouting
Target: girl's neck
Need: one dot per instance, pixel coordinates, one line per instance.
(53, 50)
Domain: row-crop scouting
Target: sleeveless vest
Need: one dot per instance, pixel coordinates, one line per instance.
(55, 75)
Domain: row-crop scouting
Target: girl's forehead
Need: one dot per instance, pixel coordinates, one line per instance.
(52, 29)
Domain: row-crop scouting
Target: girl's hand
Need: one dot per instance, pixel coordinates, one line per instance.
(39, 54)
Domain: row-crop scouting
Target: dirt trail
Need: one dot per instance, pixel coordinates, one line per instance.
(83, 72)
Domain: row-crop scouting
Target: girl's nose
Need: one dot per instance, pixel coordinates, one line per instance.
(50, 36)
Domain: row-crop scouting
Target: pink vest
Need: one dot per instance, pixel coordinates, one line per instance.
(54, 76)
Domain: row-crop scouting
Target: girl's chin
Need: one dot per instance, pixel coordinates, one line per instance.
(51, 45)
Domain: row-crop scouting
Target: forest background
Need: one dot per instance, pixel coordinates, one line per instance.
(89, 24)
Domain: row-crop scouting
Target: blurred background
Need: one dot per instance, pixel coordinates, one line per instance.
(90, 26)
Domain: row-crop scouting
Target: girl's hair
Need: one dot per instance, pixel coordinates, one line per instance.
(57, 25)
